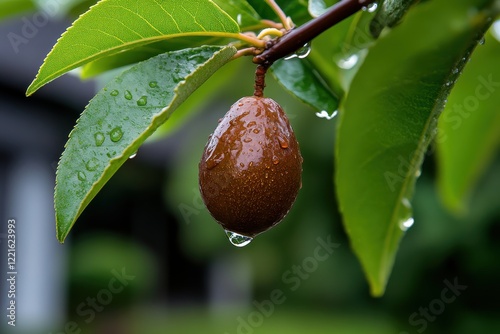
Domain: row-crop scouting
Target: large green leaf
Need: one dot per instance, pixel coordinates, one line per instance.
(469, 128)
(388, 120)
(115, 25)
(301, 79)
(120, 118)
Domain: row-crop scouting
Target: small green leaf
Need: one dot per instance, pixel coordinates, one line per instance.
(115, 25)
(120, 118)
(302, 80)
(389, 118)
(12, 7)
(469, 128)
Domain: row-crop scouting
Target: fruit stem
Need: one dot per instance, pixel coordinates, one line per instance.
(260, 80)
(297, 38)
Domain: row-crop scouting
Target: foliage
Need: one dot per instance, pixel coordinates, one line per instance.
(389, 71)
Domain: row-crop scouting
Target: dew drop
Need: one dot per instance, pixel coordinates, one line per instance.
(242, 164)
(283, 143)
(240, 104)
(256, 131)
(275, 160)
(371, 7)
(133, 156)
(142, 101)
(99, 138)
(116, 134)
(238, 240)
(114, 92)
(324, 114)
(81, 176)
(153, 84)
(92, 164)
(349, 62)
(482, 41)
(247, 140)
(406, 224)
(128, 95)
(214, 160)
(301, 53)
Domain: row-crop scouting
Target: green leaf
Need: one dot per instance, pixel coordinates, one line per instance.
(241, 12)
(120, 118)
(390, 14)
(303, 81)
(469, 128)
(388, 120)
(12, 7)
(115, 25)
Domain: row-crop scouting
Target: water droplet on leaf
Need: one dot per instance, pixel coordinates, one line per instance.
(116, 134)
(406, 224)
(142, 101)
(324, 114)
(99, 138)
(153, 84)
(349, 62)
(92, 164)
(133, 156)
(238, 240)
(128, 95)
(81, 176)
(114, 92)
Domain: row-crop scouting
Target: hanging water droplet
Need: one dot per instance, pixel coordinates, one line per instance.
(153, 84)
(238, 240)
(301, 53)
(324, 114)
(133, 156)
(349, 62)
(142, 101)
(114, 92)
(92, 164)
(81, 176)
(99, 138)
(406, 224)
(482, 41)
(128, 95)
(116, 134)
(371, 7)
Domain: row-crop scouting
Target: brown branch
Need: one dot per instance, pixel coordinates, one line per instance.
(297, 38)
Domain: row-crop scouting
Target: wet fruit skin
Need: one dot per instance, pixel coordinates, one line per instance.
(250, 171)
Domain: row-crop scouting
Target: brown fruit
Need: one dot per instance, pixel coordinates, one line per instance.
(250, 171)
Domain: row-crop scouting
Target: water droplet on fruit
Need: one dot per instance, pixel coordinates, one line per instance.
(128, 95)
(256, 131)
(81, 176)
(114, 92)
(301, 53)
(349, 62)
(238, 240)
(99, 138)
(283, 143)
(142, 101)
(153, 84)
(276, 160)
(214, 160)
(247, 140)
(116, 134)
(92, 164)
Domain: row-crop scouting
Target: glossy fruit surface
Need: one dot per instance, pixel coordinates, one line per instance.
(250, 171)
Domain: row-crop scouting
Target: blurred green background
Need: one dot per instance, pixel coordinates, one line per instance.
(146, 257)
